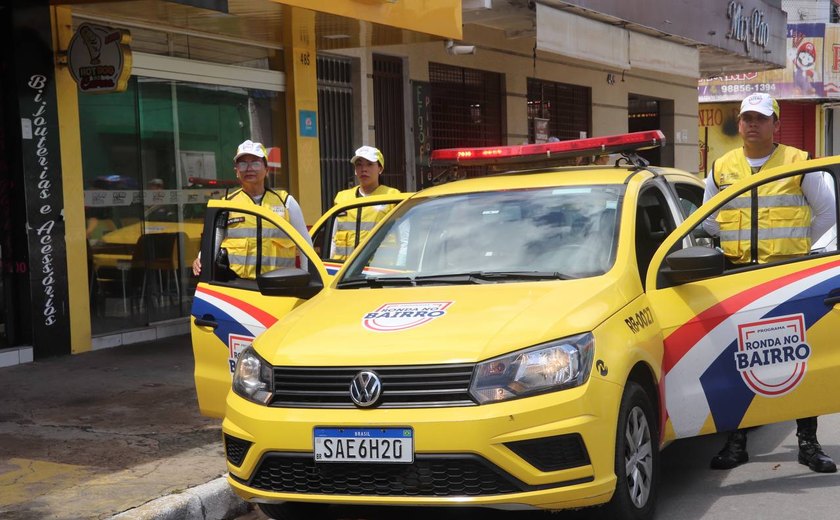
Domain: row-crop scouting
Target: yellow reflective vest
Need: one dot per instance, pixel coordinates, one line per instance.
(241, 240)
(352, 228)
(780, 209)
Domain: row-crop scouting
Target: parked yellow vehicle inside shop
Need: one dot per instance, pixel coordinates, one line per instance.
(518, 341)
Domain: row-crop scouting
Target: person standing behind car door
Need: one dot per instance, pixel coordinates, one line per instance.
(368, 163)
(240, 241)
(809, 205)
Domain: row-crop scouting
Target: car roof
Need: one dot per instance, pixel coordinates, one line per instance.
(559, 176)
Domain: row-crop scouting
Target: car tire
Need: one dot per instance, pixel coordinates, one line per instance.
(636, 458)
(295, 511)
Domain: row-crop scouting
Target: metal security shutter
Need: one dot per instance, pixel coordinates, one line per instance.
(797, 128)
(335, 124)
(567, 108)
(466, 107)
(389, 118)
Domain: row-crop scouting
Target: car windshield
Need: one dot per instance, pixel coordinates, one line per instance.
(492, 237)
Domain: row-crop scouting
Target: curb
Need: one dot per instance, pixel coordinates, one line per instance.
(211, 501)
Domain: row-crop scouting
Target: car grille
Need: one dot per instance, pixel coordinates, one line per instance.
(552, 453)
(402, 386)
(428, 475)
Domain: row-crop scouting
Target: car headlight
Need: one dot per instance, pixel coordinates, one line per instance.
(552, 366)
(252, 377)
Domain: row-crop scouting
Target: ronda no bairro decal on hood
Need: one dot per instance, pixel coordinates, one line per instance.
(400, 316)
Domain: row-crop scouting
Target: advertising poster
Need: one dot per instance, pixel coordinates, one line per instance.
(802, 78)
(831, 61)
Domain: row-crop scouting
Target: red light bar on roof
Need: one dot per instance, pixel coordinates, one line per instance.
(630, 142)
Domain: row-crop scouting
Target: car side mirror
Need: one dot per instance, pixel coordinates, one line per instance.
(290, 281)
(693, 263)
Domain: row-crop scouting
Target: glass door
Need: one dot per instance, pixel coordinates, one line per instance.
(152, 156)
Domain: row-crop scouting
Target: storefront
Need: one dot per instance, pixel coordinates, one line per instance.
(116, 179)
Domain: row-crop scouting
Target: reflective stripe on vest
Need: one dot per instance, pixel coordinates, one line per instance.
(784, 217)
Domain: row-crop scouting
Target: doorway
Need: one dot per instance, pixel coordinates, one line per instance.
(648, 113)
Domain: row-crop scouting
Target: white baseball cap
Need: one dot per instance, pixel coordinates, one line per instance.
(370, 153)
(249, 147)
(761, 103)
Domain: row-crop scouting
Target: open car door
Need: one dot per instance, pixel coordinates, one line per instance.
(228, 311)
(747, 344)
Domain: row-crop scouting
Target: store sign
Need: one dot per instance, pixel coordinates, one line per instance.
(810, 72)
(100, 58)
(748, 28)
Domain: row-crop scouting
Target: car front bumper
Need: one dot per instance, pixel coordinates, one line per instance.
(552, 451)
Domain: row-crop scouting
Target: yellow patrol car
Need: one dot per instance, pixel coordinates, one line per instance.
(519, 341)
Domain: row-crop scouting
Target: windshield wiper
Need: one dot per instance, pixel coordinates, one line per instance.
(381, 281)
(472, 277)
(479, 277)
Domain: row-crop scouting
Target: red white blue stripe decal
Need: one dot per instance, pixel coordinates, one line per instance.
(234, 316)
(700, 374)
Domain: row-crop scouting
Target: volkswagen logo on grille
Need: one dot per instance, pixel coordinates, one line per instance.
(365, 388)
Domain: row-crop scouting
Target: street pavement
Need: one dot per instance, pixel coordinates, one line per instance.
(93, 435)
(117, 434)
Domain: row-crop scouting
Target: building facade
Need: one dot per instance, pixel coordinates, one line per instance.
(103, 184)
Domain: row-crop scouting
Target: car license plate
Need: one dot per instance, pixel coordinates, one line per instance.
(386, 445)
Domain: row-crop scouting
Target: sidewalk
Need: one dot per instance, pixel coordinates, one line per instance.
(109, 433)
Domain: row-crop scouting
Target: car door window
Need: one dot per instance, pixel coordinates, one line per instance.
(769, 224)
(356, 219)
(691, 197)
(246, 245)
(654, 221)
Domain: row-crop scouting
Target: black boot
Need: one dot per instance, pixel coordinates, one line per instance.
(810, 451)
(734, 452)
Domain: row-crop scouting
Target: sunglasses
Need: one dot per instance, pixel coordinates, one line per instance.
(243, 166)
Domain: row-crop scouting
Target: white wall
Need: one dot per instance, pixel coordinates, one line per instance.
(807, 11)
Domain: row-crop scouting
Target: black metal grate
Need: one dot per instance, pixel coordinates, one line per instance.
(466, 110)
(429, 475)
(567, 108)
(402, 387)
(335, 126)
(236, 449)
(552, 453)
(389, 118)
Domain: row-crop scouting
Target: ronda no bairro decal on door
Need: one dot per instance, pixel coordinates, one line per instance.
(772, 354)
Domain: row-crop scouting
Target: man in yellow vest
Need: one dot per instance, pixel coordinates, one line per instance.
(240, 241)
(352, 228)
(808, 213)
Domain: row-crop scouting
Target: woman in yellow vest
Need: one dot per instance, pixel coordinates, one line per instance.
(791, 212)
(351, 228)
(240, 241)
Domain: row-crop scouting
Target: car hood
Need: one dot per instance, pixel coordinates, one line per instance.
(439, 324)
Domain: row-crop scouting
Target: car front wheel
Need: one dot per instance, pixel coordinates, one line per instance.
(636, 457)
